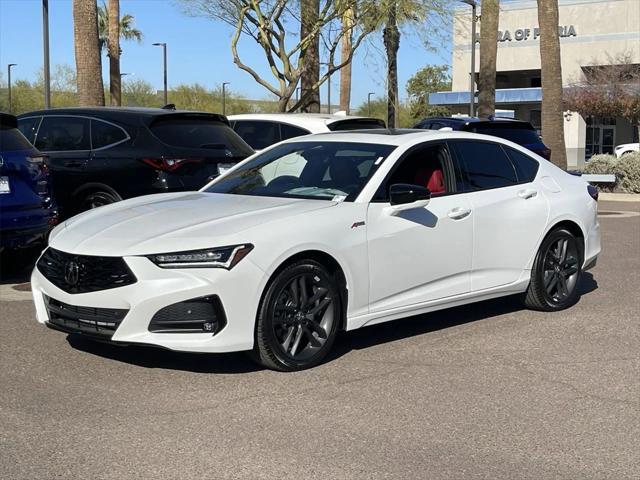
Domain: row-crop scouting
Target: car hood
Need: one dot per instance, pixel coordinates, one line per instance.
(173, 222)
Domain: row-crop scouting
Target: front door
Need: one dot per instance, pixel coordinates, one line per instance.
(422, 254)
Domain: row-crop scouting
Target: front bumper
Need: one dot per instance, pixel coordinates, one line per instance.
(238, 289)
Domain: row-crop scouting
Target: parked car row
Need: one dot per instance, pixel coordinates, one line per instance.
(97, 156)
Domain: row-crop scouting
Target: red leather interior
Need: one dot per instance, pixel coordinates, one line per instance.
(433, 179)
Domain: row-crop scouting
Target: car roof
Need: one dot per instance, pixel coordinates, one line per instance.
(465, 120)
(114, 113)
(316, 122)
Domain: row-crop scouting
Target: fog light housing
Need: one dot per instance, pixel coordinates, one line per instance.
(196, 315)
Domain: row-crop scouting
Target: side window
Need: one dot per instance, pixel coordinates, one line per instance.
(29, 127)
(258, 134)
(484, 165)
(289, 131)
(526, 167)
(426, 166)
(104, 134)
(437, 126)
(63, 134)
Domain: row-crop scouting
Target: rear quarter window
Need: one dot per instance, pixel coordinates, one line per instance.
(526, 167)
(199, 132)
(11, 139)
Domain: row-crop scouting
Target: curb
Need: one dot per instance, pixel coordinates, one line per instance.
(619, 197)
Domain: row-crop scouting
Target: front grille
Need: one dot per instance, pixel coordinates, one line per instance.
(84, 273)
(101, 322)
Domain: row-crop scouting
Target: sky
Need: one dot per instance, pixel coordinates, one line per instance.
(198, 49)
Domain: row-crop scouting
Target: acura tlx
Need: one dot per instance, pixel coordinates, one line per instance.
(319, 234)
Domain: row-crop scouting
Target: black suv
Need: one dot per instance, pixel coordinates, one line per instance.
(101, 155)
(517, 131)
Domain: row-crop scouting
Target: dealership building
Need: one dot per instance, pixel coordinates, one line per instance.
(592, 33)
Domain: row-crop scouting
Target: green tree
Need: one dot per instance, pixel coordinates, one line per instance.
(429, 79)
(139, 93)
(127, 28)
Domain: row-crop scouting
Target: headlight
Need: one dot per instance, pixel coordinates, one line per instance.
(221, 257)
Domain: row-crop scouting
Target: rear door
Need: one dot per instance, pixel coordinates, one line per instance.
(202, 145)
(509, 213)
(66, 140)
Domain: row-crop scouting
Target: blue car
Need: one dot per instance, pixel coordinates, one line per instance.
(27, 212)
(517, 131)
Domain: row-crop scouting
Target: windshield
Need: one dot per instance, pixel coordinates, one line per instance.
(319, 170)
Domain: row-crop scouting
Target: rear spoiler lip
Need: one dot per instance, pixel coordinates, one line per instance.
(8, 120)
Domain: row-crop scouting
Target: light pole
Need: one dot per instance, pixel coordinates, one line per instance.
(472, 74)
(9, 82)
(224, 98)
(45, 47)
(164, 59)
(369, 102)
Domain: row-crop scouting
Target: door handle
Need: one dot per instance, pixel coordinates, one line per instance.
(459, 213)
(74, 163)
(527, 193)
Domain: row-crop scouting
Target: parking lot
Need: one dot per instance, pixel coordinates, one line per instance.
(484, 391)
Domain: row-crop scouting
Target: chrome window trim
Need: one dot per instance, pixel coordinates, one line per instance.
(87, 117)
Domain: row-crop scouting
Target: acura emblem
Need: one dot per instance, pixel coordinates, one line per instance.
(71, 273)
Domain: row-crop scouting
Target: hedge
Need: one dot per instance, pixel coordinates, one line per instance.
(626, 170)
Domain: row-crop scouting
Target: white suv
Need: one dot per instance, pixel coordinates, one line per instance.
(626, 148)
(261, 130)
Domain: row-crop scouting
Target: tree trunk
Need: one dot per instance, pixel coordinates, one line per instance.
(87, 51)
(391, 37)
(311, 65)
(488, 53)
(345, 72)
(115, 89)
(552, 114)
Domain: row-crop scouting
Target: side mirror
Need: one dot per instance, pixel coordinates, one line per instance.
(404, 196)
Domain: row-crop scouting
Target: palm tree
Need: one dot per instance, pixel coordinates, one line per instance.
(393, 15)
(488, 56)
(115, 87)
(127, 29)
(309, 12)
(87, 52)
(552, 114)
(391, 37)
(346, 47)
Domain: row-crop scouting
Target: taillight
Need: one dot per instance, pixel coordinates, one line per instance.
(593, 192)
(169, 164)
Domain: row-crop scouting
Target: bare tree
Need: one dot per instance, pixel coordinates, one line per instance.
(87, 52)
(286, 54)
(552, 111)
(608, 90)
(115, 87)
(488, 55)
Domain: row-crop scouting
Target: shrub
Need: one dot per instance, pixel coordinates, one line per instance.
(628, 173)
(626, 170)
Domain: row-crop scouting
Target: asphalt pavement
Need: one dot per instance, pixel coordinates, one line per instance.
(483, 391)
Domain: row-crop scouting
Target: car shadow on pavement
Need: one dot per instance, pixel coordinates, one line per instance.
(16, 265)
(232, 363)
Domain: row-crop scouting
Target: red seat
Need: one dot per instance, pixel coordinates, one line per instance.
(433, 179)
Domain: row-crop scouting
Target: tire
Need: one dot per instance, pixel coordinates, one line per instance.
(298, 318)
(556, 272)
(98, 198)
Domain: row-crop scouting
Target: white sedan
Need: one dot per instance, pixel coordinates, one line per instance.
(316, 235)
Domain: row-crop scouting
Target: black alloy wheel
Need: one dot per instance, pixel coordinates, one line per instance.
(556, 273)
(98, 199)
(298, 318)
